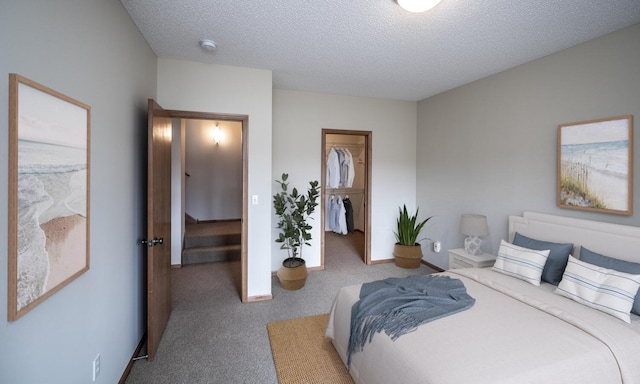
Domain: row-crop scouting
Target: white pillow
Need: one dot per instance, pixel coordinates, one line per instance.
(522, 263)
(604, 289)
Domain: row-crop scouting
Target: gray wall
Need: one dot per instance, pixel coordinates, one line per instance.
(190, 86)
(91, 51)
(298, 119)
(490, 147)
(214, 186)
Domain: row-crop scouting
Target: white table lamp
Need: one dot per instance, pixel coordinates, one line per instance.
(473, 226)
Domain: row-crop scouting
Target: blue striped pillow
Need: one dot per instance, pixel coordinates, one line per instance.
(617, 265)
(522, 263)
(604, 289)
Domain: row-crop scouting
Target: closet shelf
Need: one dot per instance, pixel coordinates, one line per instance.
(344, 145)
(356, 149)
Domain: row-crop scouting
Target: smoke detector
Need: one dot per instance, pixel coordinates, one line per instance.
(208, 45)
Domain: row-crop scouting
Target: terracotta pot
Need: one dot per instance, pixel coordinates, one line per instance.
(407, 256)
(292, 274)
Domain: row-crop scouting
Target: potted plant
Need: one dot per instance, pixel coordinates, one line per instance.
(407, 251)
(294, 209)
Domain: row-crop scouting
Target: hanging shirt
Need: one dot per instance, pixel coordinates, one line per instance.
(340, 152)
(350, 169)
(333, 169)
(334, 218)
(342, 220)
(348, 214)
(327, 214)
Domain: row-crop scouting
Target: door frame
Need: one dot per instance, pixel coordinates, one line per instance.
(367, 189)
(244, 120)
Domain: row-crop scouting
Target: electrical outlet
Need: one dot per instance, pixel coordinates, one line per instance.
(96, 367)
(436, 246)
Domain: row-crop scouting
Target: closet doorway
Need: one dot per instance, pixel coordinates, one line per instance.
(346, 191)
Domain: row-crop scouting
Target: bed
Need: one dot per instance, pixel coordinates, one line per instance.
(516, 332)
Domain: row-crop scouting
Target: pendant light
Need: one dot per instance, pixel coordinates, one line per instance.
(417, 5)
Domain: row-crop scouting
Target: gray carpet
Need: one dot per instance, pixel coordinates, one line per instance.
(212, 337)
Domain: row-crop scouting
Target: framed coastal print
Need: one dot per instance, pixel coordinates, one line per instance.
(595, 165)
(48, 244)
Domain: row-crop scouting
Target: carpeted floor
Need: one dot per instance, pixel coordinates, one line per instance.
(302, 354)
(211, 337)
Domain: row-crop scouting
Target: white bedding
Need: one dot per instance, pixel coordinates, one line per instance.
(515, 333)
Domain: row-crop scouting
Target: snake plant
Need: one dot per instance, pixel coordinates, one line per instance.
(408, 227)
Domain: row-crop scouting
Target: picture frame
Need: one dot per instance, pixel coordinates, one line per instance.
(49, 173)
(595, 165)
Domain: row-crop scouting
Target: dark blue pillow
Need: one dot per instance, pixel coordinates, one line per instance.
(617, 265)
(557, 260)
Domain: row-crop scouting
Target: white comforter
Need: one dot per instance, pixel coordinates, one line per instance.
(515, 333)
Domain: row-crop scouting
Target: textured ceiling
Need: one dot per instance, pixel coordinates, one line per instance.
(373, 47)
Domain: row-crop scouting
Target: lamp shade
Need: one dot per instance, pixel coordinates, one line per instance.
(474, 225)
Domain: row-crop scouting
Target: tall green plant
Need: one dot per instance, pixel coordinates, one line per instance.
(408, 227)
(293, 210)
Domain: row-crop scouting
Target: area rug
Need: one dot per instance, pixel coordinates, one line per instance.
(303, 355)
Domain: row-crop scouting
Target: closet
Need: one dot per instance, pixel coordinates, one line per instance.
(346, 175)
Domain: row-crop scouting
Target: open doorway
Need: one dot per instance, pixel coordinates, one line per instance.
(213, 166)
(212, 191)
(346, 192)
(209, 175)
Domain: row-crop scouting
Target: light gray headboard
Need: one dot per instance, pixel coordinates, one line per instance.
(613, 240)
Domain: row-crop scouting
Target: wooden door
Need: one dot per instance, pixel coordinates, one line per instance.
(158, 225)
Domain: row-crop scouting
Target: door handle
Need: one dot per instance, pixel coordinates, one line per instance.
(151, 243)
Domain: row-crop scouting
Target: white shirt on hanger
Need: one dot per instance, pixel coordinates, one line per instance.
(328, 226)
(333, 169)
(334, 219)
(350, 169)
(342, 219)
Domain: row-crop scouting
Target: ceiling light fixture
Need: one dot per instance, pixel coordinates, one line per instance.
(417, 5)
(208, 45)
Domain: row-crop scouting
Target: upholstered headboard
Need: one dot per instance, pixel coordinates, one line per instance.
(613, 240)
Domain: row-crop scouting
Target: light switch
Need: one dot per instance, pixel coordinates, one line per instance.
(254, 199)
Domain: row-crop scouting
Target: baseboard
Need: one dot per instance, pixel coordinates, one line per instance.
(253, 299)
(136, 353)
(383, 261)
(428, 264)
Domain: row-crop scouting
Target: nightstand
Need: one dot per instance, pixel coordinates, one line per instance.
(458, 258)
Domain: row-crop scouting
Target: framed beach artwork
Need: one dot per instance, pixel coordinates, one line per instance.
(48, 240)
(595, 165)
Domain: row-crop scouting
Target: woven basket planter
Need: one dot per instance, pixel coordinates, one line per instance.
(293, 277)
(407, 256)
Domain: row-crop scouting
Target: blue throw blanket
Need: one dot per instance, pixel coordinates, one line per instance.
(399, 305)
